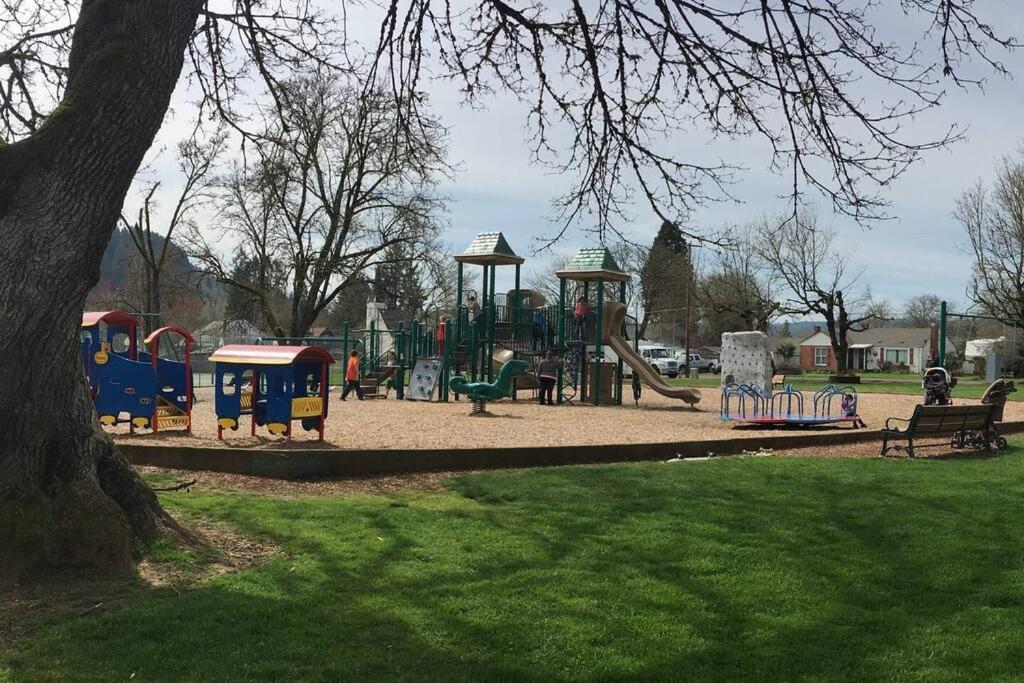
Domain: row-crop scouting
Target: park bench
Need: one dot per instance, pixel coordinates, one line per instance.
(967, 425)
(778, 381)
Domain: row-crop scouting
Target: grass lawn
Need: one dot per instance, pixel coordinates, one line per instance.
(769, 568)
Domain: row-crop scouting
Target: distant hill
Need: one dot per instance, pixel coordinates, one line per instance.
(120, 253)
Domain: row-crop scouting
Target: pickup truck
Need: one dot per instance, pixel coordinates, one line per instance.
(702, 364)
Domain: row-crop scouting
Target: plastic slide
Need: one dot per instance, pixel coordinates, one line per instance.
(613, 315)
(527, 380)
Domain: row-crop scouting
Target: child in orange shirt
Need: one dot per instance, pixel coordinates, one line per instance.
(352, 376)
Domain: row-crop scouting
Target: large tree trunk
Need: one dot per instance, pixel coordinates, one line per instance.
(67, 496)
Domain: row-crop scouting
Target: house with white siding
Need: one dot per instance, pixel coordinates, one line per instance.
(875, 349)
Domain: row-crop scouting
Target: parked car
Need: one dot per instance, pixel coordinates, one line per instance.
(660, 359)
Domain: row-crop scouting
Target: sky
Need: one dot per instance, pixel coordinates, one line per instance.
(921, 250)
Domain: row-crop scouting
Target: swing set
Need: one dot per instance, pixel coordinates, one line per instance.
(976, 325)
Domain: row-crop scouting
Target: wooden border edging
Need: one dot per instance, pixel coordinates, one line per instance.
(316, 463)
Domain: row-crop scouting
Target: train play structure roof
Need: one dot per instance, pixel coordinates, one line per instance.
(257, 354)
(93, 318)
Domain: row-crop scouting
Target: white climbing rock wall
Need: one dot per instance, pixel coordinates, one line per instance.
(745, 359)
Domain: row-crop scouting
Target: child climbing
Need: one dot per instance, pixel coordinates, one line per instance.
(439, 335)
(472, 307)
(537, 337)
(352, 376)
(579, 315)
(547, 373)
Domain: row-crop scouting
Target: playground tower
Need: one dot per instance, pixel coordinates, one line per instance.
(590, 266)
(489, 250)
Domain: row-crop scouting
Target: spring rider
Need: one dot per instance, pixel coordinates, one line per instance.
(479, 393)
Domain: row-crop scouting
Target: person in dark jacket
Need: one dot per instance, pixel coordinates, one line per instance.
(547, 373)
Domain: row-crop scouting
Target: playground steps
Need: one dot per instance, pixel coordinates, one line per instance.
(170, 415)
(375, 381)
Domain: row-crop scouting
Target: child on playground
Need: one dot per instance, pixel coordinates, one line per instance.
(537, 335)
(472, 307)
(547, 373)
(579, 315)
(440, 333)
(352, 376)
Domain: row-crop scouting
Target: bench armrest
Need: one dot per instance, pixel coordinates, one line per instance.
(889, 421)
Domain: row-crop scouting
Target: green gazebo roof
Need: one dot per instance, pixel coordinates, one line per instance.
(487, 248)
(593, 263)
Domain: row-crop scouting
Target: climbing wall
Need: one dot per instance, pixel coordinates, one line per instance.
(424, 378)
(745, 359)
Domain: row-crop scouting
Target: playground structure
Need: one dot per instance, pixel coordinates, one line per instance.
(276, 385)
(750, 404)
(614, 317)
(154, 392)
(420, 359)
(280, 380)
(748, 396)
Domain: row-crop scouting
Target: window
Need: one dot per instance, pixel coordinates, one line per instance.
(227, 387)
(120, 343)
(820, 356)
(897, 356)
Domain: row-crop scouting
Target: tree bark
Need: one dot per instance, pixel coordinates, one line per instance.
(67, 496)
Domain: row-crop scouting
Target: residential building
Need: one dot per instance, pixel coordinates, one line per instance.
(875, 349)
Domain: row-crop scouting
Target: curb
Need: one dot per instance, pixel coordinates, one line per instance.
(316, 463)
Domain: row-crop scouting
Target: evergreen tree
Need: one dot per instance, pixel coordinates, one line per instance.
(665, 277)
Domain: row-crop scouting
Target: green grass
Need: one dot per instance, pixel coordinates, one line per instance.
(767, 568)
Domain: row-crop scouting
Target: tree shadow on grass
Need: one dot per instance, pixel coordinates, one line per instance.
(764, 568)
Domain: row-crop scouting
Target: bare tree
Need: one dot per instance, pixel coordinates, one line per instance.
(922, 310)
(196, 158)
(625, 76)
(84, 89)
(994, 222)
(815, 279)
(338, 180)
(735, 291)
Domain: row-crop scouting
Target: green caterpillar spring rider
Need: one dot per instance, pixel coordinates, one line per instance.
(479, 393)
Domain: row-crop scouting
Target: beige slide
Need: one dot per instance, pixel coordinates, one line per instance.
(613, 315)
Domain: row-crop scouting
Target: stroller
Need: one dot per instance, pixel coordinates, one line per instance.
(938, 387)
(996, 395)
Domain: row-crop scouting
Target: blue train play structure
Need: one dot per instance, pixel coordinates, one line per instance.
(131, 385)
(749, 404)
(276, 385)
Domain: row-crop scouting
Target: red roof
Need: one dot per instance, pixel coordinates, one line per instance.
(92, 318)
(164, 330)
(257, 354)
